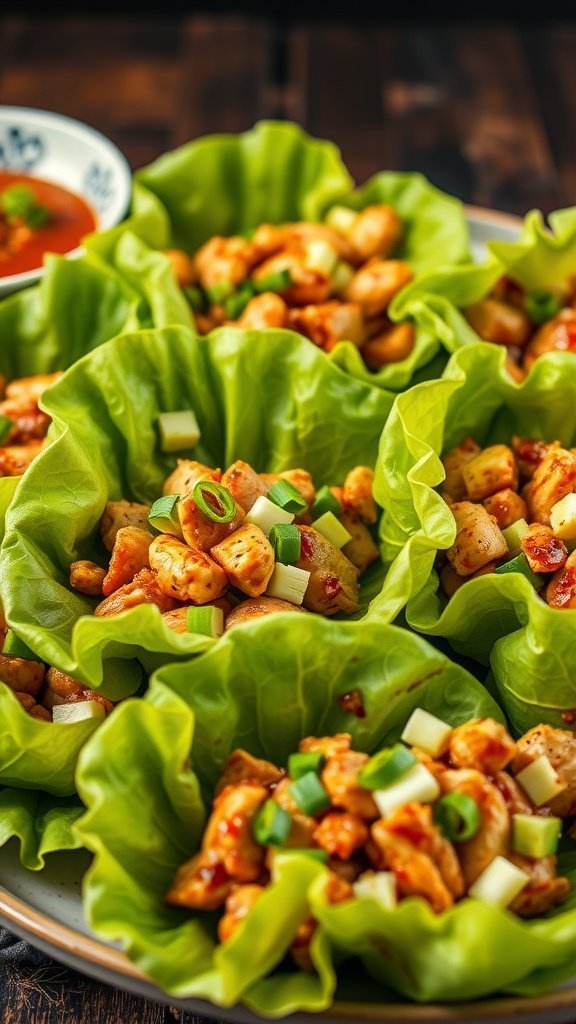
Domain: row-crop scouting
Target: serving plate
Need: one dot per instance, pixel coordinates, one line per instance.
(46, 908)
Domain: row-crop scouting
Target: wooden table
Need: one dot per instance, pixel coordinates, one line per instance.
(487, 113)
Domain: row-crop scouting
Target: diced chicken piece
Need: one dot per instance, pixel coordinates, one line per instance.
(303, 826)
(478, 539)
(554, 478)
(266, 310)
(424, 863)
(59, 687)
(361, 550)
(21, 674)
(15, 459)
(543, 550)
(29, 423)
(333, 583)
(544, 890)
(558, 335)
(238, 905)
(515, 798)
(529, 453)
(202, 883)
(302, 232)
(561, 590)
(559, 746)
(328, 745)
(337, 888)
(450, 580)
(483, 744)
(32, 708)
(187, 474)
(30, 389)
(257, 608)
(493, 836)
(341, 834)
(376, 231)
(185, 573)
(201, 532)
(328, 323)
(129, 556)
(228, 837)
(453, 463)
(300, 948)
(244, 484)
(340, 777)
(506, 506)
(224, 260)
(357, 494)
(87, 577)
(80, 696)
(498, 322)
(144, 589)
(182, 266)
(308, 286)
(493, 469)
(391, 346)
(376, 283)
(247, 558)
(119, 514)
(240, 766)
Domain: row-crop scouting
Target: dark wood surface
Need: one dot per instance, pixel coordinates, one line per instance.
(486, 111)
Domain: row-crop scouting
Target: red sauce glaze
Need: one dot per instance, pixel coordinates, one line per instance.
(70, 219)
(569, 717)
(306, 544)
(332, 586)
(352, 702)
(214, 876)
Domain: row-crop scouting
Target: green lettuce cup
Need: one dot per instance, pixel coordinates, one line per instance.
(229, 184)
(142, 825)
(493, 618)
(269, 398)
(41, 824)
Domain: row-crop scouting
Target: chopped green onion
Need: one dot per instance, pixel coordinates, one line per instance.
(311, 851)
(216, 293)
(235, 304)
(17, 648)
(332, 529)
(196, 298)
(325, 502)
(309, 794)
(220, 507)
(272, 824)
(285, 539)
(541, 306)
(6, 425)
(19, 203)
(279, 281)
(207, 620)
(386, 767)
(178, 430)
(514, 534)
(286, 496)
(163, 515)
(520, 564)
(304, 762)
(458, 816)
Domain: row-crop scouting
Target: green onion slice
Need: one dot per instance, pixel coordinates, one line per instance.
(215, 501)
(325, 502)
(272, 824)
(307, 761)
(541, 306)
(218, 292)
(163, 515)
(286, 496)
(19, 203)
(458, 816)
(235, 304)
(309, 794)
(279, 281)
(311, 851)
(285, 539)
(196, 298)
(6, 425)
(386, 767)
(207, 620)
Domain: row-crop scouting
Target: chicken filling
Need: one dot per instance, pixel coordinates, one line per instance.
(23, 426)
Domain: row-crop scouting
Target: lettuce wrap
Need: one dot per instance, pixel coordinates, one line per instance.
(495, 618)
(40, 823)
(144, 823)
(227, 184)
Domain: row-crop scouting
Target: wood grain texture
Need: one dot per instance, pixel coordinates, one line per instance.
(486, 112)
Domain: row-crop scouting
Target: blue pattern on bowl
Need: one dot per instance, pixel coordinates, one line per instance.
(20, 150)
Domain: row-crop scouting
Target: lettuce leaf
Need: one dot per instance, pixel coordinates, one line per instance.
(497, 618)
(144, 823)
(41, 824)
(226, 184)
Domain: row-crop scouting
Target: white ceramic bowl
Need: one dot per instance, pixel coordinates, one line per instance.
(67, 153)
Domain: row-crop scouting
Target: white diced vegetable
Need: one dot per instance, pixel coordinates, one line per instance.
(207, 619)
(534, 836)
(341, 219)
(379, 886)
(514, 535)
(65, 714)
(265, 514)
(178, 430)
(320, 255)
(540, 781)
(341, 276)
(500, 883)
(426, 731)
(289, 583)
(331, 528)
(563, 517)
(417, 785)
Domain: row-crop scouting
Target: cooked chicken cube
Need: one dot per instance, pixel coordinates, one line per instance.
(506, 506)
(333, 583)
(247, 558)
(201, 532)
(451, 581)
(15, 459)
(554, 478)
(185, 573)
(87, 577)
(493, 836)
(361, 550)
(376, 231)
(529, 454)
(483, 744)
(561, 590)
(499, 322)
(119, 514)
(478, 539)
(31, 388)
(453, 463)
(238, 904)
(558, 335)
(559, 746)
(32, 708)
(493, 469)
(244, 484)
(357, 496)
(202, 883)
(308, 286)
(223, 260)
(144, 589)
(376, 283)
(329, 322)
(340, 777)
(59, 687)
(266, 310)
(187, 474)
(240, 766)
(392, 345)
(544, 552)
(257, 608)
(21, 674)
(182, 266)
(129, 556)
(341, 834)
(544, 890)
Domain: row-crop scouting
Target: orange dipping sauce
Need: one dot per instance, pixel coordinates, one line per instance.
(70, 218)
